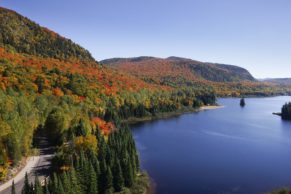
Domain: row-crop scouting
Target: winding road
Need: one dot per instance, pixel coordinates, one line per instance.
(35, 166)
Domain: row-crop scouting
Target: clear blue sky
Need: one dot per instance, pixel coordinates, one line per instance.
(255, 34)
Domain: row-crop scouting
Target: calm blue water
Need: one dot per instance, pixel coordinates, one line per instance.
(228, 150)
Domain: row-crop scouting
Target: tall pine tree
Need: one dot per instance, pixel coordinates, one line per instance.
(74, 182)
(93, 186)
(118, 180)
(13, 191)
(26, 188)
(37, 187)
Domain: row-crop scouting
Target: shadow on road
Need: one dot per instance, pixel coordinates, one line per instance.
(46, 153)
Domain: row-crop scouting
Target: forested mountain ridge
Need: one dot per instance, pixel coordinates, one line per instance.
(280, 81)
(20, 34)
(180, 71)
(176, 72)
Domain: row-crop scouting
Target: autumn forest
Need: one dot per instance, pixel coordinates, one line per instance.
(50, 85)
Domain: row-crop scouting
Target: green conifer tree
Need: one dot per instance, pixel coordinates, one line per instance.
(93, 186)
(102, 177)
(54, 184)
(46, 188)
(128, 173)
(66, 183)
(60, 188)
(108, 180)
(13, 191)
(37, 187)
(118, 180)
(75, 185)
(26, 188)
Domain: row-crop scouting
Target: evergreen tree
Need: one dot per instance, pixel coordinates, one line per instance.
(81, 129)
(37, 187)
(54, 184)
(26, 188)
(46, 188)
(128, 173)
(80, 171)
(137, 162)
(102, 182)
(13, 191)
(96, 165)
(102, 148)
(118, 180)
(40, 83)
(75, 185)
(66, 183)
(286, 111)
(242, 102)
(60, 188)
(84, 171)
(109, 180)
(93, 186)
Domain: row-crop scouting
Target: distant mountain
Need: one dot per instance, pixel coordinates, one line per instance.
(179, 71)
(18, 33)
(280, 81)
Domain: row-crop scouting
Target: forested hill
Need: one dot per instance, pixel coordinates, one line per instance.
(20, 34)
(280, 81)
(179, 71)
(51, 86)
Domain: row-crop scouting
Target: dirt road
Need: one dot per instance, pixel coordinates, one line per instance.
(35, 166)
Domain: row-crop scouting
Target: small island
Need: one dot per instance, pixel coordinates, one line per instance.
(286, 111)
(242, 102)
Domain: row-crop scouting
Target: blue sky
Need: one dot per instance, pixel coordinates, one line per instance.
(255, 34)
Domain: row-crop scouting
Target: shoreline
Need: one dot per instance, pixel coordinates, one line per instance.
(135, 120)
(152, 187)
(277, 113)
(211, 107)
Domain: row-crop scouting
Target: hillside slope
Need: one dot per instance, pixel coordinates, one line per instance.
(51, 86)
(177, 71)
(20, 34)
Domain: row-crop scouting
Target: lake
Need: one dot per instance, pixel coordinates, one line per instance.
(226, 150)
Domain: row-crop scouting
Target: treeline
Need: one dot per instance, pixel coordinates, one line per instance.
(159, 102)
(286, 111)
(248, 89)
